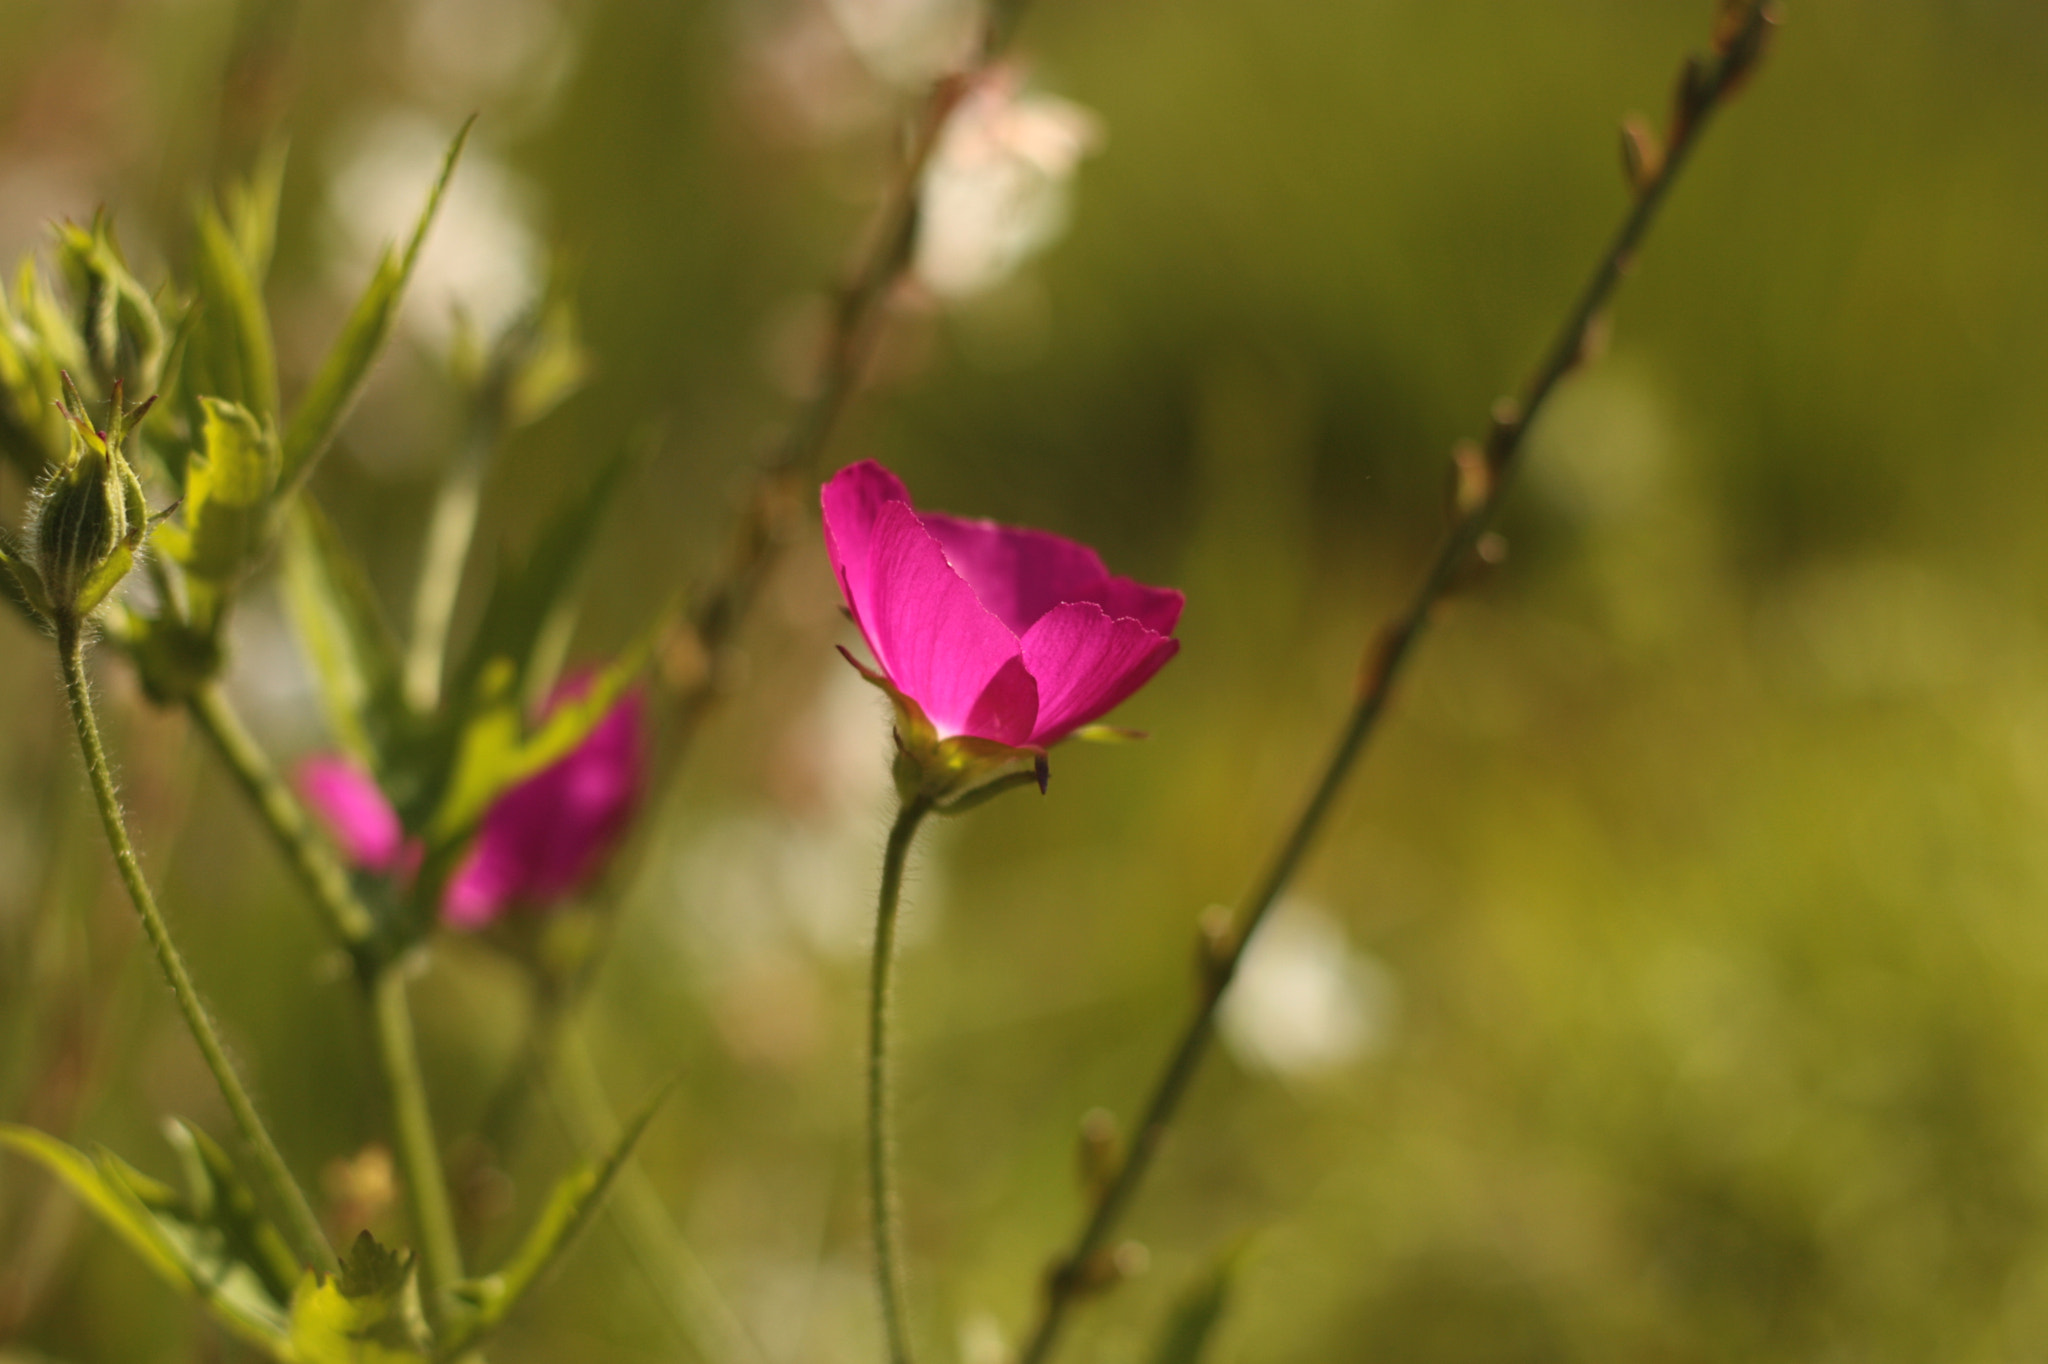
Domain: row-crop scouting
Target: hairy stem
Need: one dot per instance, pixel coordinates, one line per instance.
(419, 1155)
(881, 1198)
(280, 1190)
(285, 817)
(1706, 87)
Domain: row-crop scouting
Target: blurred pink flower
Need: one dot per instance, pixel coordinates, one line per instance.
(996, 632)
(539, 843)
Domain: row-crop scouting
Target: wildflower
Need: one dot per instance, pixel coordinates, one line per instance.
(988, 637)
(540, 842)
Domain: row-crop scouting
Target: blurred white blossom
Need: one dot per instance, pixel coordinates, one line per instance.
(482, 257)
(998, 187)
(1306, 1002)
(909, 42)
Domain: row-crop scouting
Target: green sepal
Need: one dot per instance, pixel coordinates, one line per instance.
(952, 773)
(340, 378)
(159, 1225)
(21, 584)
(1110, 734)
(485, 1302)
(367, 1314)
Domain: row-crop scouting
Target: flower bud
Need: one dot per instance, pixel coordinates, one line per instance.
(87, 518)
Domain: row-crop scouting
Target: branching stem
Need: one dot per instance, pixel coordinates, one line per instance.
(1706, 86)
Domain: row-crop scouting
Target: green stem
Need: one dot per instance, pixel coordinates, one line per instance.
(673, 1272)
(1072, 1272)
(282, 1191)
(282, 813)
(881, 1198)
(419, 1155)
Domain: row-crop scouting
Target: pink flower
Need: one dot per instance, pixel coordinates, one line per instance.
(995, 632)
(539, 843)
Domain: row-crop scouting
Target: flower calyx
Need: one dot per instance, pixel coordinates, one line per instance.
(956, 773)
(87, 519)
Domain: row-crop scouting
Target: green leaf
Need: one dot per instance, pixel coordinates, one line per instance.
(576, 1198)
(495, 751)
(355, 656)
(227, 496)
(232, 350)
(1193, 1321)
(368, 1314)
(524, 601)
(341, 375)
(160, 1226)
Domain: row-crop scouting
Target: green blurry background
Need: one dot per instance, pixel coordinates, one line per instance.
(1670, 984)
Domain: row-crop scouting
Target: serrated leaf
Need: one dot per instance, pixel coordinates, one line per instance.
(227, 497)
(1192, 1324)
(368, 1314)
(354, 654)
(158, 1225)
(575, 1199)
(341, 374)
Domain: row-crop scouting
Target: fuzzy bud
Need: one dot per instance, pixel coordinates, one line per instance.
(87, 518)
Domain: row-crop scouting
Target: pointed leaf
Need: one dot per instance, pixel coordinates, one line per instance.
(574, 1201)
(524, 600)
(494, 750)
(232, 353)
(341, 375)
(354, 654)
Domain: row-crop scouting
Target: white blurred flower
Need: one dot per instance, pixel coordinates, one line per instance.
(998, 187)
(481, 258)
(1306, 1002)
(909, 42)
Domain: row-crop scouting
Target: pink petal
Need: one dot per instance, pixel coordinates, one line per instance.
(355, 812)
(937, 642)
(852, 499)
(541, 841)
(1021, 574)
(1085, 662)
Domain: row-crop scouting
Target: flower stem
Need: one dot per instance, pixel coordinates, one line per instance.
(281, 1191)
(1707, 87)
(881, 1199)
(347, 920)
(419, 1155)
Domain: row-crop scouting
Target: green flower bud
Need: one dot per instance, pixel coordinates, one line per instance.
(87, 518)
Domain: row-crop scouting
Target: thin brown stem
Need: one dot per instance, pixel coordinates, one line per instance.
(1705, 86)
